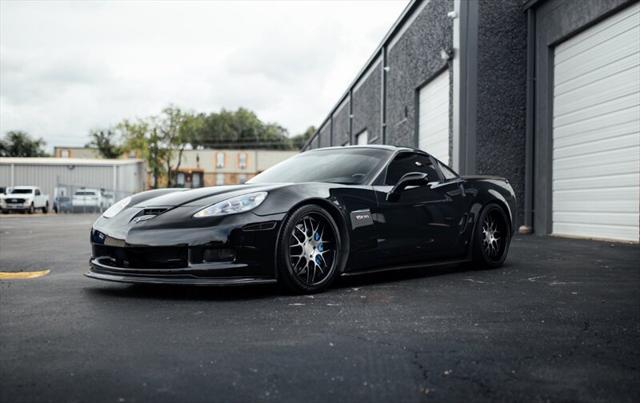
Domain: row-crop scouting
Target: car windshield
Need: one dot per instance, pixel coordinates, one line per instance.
(351, 166)
(21, 191)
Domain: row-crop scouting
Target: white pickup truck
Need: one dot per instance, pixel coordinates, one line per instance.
(24, 198)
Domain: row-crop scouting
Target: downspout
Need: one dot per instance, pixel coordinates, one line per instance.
(351, 115)
(527, 228)
(383, 95)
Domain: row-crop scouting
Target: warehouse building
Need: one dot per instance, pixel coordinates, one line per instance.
(65, 175)
(543, 92)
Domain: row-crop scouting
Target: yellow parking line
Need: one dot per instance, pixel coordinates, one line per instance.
(22, 275)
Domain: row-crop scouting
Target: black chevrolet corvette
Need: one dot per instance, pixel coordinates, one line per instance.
(321, 214)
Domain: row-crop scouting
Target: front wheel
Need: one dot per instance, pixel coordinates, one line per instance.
(492, 237)
(45, 209)
(309, 250)
(31, 209)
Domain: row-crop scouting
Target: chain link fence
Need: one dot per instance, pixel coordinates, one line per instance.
(69, 199)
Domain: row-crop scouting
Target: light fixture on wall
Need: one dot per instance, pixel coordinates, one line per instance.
(446, 54)
(386, 68)
(452, 14)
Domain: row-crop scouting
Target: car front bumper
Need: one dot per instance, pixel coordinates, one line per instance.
(207, 274)
(234, 251)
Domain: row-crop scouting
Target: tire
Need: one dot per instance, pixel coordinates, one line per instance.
(492, 237)
(31, 209)
(309, 251)
(45, 209)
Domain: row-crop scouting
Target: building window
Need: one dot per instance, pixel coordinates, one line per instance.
(362, 138)
(220, 160)
(219, 179)
(242, 178)
(196, 180)
(64, 153)
(242, 160)
(180, 179)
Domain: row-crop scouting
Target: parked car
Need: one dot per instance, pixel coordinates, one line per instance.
(62, 204)
(24, 198)
(88, 200)
(322, 214)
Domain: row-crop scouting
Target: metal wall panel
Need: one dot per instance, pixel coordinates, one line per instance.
(433, 123)
(596, 130)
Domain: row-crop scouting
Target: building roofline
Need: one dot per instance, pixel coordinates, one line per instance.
(397, 25)
(66, 161)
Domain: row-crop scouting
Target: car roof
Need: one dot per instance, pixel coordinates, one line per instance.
(372, 146)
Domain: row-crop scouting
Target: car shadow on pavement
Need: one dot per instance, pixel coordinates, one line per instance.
(183, 292)
(255, 292)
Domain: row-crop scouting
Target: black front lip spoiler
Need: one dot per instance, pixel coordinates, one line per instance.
(184, 276)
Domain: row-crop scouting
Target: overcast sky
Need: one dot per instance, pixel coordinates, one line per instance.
(68, 67)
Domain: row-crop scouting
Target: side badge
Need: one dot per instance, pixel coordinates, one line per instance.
(361, 218)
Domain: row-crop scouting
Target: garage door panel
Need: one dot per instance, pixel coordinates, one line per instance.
(628, 233)
(625, 84)
(631, 140)
(598, 218)
(598, 56)
(589, 195)
(604, 133)
(598, 169)
(611, 156)
(433, 124)
(597, 182)
(625, 63)
(629, 115)
(626, 99)
(614, 206)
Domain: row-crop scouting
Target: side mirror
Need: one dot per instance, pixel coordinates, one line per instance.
(409, 179)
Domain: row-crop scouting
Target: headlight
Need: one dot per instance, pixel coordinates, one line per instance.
(117, 207)
(234, 205)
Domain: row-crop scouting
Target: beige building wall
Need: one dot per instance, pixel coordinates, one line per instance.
(76, 152)
(230, 167)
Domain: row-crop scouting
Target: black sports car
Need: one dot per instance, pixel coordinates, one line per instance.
(321, 214)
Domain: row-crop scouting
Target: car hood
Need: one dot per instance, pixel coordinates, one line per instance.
(202, 196)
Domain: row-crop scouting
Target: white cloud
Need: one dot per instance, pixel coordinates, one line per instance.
(67, 67)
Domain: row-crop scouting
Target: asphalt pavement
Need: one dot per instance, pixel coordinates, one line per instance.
(559, 322)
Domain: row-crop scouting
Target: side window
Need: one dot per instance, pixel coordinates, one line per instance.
(447, 172)
(37, 192)
(410, 162)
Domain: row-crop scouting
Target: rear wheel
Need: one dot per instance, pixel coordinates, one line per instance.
(492, 237)
(309, 250)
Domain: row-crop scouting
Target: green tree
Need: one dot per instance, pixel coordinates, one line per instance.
(299, 140)
(240, 129)
(106, 143)
(142, 138)
(20, 144)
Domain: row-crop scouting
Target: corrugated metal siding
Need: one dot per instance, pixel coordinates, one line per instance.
(596, 130)
(434, 118)
(130, 177)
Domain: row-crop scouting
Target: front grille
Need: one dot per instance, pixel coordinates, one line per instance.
(15, 201)
(171, 257)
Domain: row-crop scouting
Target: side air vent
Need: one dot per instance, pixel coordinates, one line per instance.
(154, 211)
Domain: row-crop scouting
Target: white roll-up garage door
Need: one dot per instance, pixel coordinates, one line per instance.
(596, 130)
(433, 123)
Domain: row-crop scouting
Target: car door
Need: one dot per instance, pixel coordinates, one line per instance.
(423, 223)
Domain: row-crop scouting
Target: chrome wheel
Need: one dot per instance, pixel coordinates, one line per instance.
(493, 236)
(312, 249)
